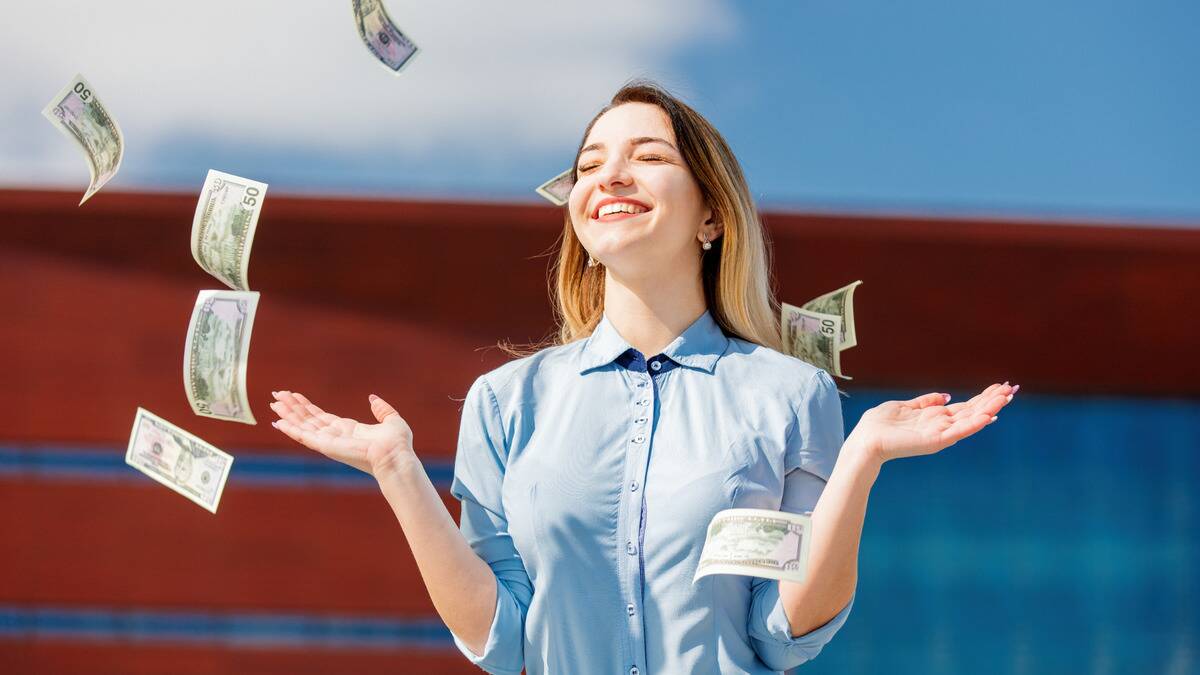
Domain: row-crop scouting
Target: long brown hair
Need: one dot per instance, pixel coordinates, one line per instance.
(735, 271)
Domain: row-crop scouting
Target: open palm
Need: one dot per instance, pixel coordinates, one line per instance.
(366, 447)
(925, 425)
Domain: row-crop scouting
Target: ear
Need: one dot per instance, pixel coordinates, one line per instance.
(712, 224)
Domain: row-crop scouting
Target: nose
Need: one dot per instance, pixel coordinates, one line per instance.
(613, 174)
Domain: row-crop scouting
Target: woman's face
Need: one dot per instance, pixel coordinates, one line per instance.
(636, 207)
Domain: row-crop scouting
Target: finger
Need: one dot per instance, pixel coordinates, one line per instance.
(291, 430)
(289, 415)
(985, 401)
(977, 398)
(322, 418)
(929, 400)
(964, 427)
(295, 403)
(381, 409)
(311, 407)
(288, 408)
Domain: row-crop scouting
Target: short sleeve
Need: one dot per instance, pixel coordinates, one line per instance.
(812, 449)
(478, 476)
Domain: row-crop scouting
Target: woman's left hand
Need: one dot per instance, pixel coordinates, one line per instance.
(926, 424)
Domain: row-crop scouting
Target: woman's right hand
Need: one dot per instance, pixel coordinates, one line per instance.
(372, 448)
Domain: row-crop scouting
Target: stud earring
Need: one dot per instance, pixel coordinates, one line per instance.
(707, 244)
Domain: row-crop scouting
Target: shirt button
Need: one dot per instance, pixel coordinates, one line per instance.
(644, 401)
(633, 486)
(639, 438)
(634, 671)
(655, 365)
(630, 548)
(640, 420)
(629, 608)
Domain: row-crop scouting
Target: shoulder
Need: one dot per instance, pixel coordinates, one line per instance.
(773, 371)
(524, 375)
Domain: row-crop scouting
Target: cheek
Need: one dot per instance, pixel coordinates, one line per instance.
(680, 202)
(576, 204)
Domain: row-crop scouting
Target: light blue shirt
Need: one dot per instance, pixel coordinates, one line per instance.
(588, 476)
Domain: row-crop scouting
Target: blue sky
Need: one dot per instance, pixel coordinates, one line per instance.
(1073, 110)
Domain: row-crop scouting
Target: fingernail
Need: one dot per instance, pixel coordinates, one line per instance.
(1008, 399)
(373, 398)
(947, 397)
(993, 419)
(275, 424)
(1016, 388)
(1006, 382)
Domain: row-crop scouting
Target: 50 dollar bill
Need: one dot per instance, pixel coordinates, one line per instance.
(215, 354)
(224, 225)
(381, 36)
(557, 190)
(757, 543)
(77, 112)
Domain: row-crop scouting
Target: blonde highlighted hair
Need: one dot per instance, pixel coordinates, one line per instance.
(735, 271)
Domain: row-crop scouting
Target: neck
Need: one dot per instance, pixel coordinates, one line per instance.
(650, 313)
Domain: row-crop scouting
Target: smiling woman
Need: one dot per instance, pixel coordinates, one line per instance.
(589, 469)
(673, 159)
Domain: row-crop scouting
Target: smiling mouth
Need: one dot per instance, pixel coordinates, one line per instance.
(618, 211)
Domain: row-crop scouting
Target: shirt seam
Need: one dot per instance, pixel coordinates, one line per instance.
(496, 412)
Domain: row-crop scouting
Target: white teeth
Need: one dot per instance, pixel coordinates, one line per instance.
(620, 207)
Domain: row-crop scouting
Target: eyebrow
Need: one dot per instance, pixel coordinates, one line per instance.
(640, 140)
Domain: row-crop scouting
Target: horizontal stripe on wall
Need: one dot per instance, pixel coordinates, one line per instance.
(236, 630)
(249, 468)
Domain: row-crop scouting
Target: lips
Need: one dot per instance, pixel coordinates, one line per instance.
(619, 206)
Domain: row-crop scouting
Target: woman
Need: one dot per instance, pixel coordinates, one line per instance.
(589, 470)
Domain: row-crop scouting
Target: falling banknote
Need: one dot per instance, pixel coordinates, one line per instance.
(78, 113)
(380, 35)
(178, 459)
(224, 224)
(756, 543)
(840, 302)
(214, 356)
(820, 330)
(557, 190)
(813, 337)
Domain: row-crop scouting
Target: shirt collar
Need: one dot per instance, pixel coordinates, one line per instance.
(699, 346)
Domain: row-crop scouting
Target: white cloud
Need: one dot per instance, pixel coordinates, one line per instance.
(498, 79)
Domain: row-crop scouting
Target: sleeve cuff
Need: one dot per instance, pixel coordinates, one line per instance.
(772, 634)
(500, 656)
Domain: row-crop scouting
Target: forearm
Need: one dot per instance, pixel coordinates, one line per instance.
(836, 531)
(461, 585)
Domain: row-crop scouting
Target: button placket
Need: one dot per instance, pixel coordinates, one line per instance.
(644, 395)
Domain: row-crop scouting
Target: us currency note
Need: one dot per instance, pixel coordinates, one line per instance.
(380, 34)
(557, 190)
(756, 543)
(214, 355)
(224, 224)
(813, 337)
(77, 112)
(177, 459)
(840, 302)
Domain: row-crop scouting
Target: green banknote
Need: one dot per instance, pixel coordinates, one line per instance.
(756, 543)
(215, 353)
(178, 459)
